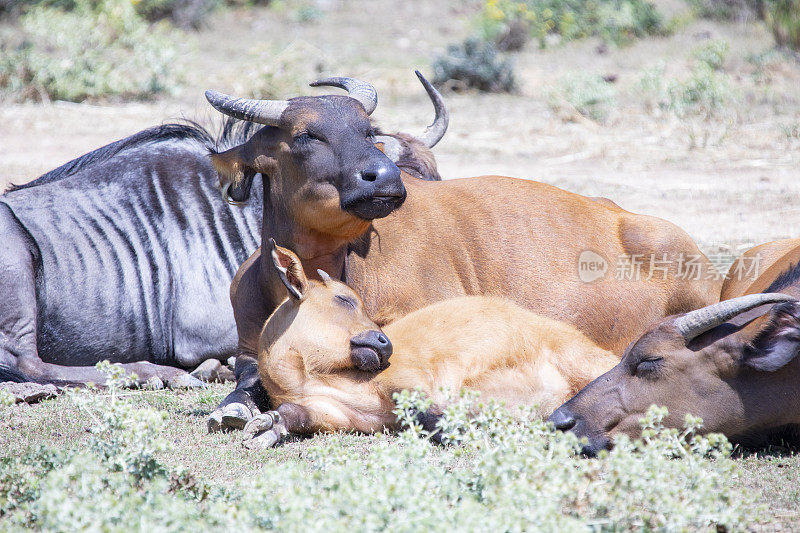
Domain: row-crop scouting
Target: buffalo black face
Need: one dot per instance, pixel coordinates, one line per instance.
(333, 143)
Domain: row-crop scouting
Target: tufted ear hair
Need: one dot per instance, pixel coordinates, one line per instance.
(290, 271)
(778, 343)
(238, 166)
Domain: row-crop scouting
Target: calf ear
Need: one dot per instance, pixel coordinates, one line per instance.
(778, 342)
(290, 271)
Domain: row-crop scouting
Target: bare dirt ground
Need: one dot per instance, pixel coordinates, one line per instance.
(729, 195)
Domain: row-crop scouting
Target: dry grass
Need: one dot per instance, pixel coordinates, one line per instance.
(730, 195)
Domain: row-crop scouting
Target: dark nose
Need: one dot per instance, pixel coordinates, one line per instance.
(380, 172)
(371, 350)
(562, 419)
(376, 340)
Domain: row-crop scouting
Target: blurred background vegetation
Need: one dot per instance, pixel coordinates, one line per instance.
(80, 50)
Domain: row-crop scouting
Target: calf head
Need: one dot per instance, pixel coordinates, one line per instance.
(326, 165)
(323, 323)
(738, 376)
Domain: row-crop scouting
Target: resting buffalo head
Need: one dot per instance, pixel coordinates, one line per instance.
(726, 363)
(326, 164)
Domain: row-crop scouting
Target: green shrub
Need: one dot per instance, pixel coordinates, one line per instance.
(712, 54)
(783, 18)
(186, 14)
(617, 21)
(700, 102)
(727, 9)
(590, 95)
(102, 48)
(474, 64)
(499, 473)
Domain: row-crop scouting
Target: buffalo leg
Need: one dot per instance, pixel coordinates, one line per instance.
(248, 399)
(19, 356)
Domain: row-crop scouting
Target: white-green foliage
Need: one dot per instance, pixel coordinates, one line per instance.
(101, 48)
(589, 94)
(703, 100)
(500, 473)
(6, 398)
(712, 53)
(704, 93)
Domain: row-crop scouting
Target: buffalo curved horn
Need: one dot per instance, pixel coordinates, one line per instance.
(699, 321)
(434, 133)
(360, 90)
(267, 112)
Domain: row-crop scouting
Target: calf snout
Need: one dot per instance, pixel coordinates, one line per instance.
(370, 351)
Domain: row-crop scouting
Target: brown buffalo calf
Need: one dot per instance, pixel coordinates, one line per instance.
(329, 367)
(403, 243)
(733, 363)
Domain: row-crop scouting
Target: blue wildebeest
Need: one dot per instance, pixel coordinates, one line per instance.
(127, 253)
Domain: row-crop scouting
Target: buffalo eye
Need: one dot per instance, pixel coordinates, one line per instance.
(647, 367)
(345, 301)
(303, 138)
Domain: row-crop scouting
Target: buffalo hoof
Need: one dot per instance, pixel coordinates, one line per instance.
(215, 421)
(29, 392)
(225, 374)
(264, 431)
(260, 423)
(207, 371)
(185, 381)
(236, 416)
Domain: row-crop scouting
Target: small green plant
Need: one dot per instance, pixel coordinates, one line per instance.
(102, 48)
(308, 13)
(186, 14)
(712, 53)
(498, 473)
(617, 21)
(652, 86)
(727, 9)
(783, 18)
(790, 131)
(702, 102)
(590, 95)
(283, 70)
(474, 64)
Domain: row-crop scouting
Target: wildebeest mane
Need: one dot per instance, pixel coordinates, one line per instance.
(787, 278)
(231, 133)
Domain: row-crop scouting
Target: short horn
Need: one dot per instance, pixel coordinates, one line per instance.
(360, 90)
(267, 112)
(695, 323)
(323, 276)
(434, 133)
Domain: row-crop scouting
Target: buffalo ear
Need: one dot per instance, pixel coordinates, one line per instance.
(290, 271)
(238, 166)
(778, 343)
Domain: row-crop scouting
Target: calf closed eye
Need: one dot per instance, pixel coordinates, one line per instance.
(344, 300)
